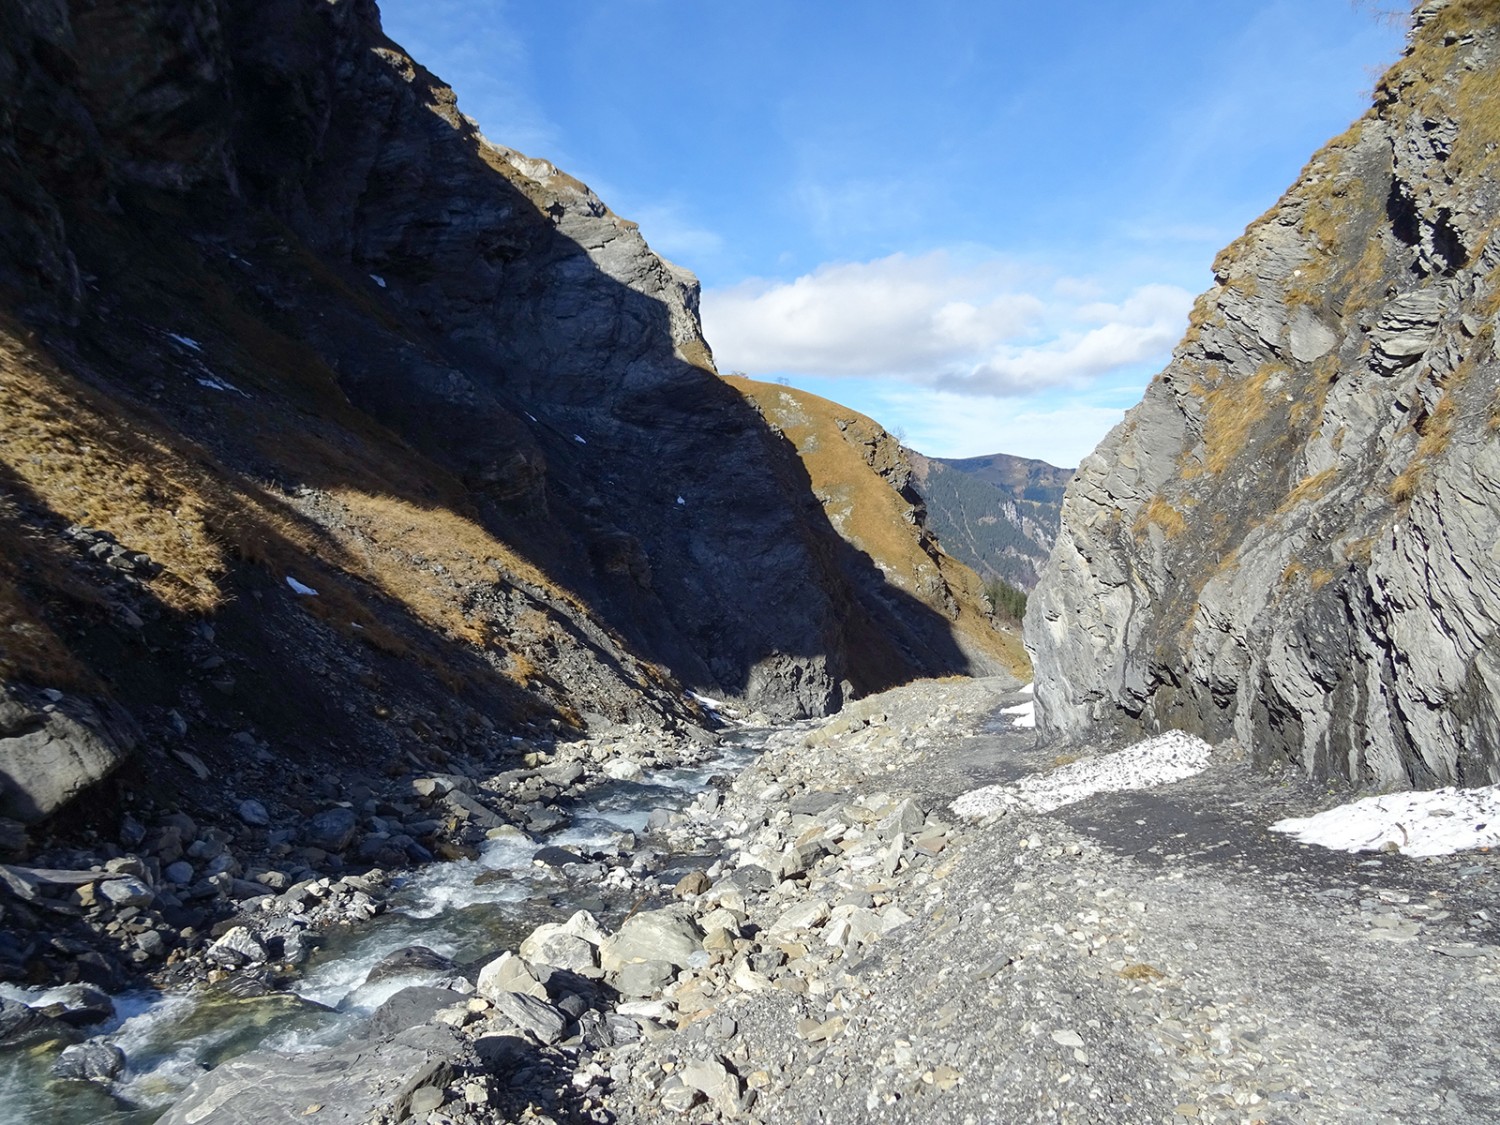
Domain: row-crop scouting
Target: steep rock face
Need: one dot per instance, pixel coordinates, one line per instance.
(276, 318)
(1291, 540)
(865, 485)
(999, 513)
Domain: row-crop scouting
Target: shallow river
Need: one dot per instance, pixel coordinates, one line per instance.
(466, 910)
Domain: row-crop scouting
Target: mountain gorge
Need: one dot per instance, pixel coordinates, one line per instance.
(334, 431)
(998, 513)
(1291, 541)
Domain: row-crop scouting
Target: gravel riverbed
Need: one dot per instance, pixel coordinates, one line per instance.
(851, 949)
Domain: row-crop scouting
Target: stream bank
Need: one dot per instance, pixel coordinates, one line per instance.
(847, 948)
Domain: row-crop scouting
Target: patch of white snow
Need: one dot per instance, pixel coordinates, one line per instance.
(1025, 714)
(579, 440)
(681, 501)
(1029, 689)
(1157, 761)
(1437, 822)
(378, 280)
(299, 588)
(186, 341)
(214, 383)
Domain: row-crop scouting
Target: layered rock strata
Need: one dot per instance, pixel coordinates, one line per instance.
(1291, 540)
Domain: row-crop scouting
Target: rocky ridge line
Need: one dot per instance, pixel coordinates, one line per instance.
(1289, 541)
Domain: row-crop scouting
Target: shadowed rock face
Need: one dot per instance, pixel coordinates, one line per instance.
(1291, 540)
(258, 246)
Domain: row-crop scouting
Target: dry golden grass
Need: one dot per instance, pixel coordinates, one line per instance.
(1308, 488)
(90, 459)
(1163, 515)
(1234, 407)
(866, 511)
(1316, 578)
(1435, 431)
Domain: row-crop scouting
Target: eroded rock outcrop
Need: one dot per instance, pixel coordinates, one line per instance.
(1291, 540)
(420, 443)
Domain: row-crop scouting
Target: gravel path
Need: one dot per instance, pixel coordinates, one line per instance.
(853, 950)
(1141, 957)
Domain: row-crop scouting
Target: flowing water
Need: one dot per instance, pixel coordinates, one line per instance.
(467, 910)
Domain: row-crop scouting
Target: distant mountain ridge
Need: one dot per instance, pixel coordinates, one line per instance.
(998, 513)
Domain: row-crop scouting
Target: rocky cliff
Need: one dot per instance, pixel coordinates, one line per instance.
(866, 485)
(1291, 540)
(998, 513)
(334, 431)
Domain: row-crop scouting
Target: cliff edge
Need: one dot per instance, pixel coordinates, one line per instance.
(1291, 540)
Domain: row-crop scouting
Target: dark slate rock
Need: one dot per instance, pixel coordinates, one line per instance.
(409, 961)
(332, 829)
(409, 1008)
(94, 1061)
(352, 1083)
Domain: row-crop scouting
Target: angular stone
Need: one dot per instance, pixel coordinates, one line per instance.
(94, 1061)
(801, 916)
(654, 935)
(508, 973)
(643, 978)
(128, 891)
(237, 947)
(713, 1079)
(529, 1014)
(332, 829)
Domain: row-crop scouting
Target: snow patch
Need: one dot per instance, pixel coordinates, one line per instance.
(1029, 689)
(1437, 822)
(214, 383)
(299, 588)
(579, 440)
(681, 501)
(378, 280)
(1157, 761)
(1025, 714)
(186, 341)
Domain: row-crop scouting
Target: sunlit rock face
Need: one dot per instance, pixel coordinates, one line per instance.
(1292, 539)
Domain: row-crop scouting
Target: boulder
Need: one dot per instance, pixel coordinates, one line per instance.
(332, 829)
(508, 973)
(126, 891)
(668, 935)
(51, 750)
(344, 1085)
(94, 1061)
(530, 1014)
(409, 1008)
(410, 960)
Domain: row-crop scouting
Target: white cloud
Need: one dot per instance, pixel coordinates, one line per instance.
(983, 325)
(946, 424)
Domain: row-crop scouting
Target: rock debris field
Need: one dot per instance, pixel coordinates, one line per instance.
(912, 912)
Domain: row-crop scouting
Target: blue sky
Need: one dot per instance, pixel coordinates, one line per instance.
(982, 223)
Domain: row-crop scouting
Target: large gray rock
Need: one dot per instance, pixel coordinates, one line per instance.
(51, 750)
(669, 935)
(1291, 540)
(348, 1084)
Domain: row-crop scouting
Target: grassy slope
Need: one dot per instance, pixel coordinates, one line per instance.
(843, 453)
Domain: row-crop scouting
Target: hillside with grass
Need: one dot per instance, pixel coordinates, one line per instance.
(867, 486)
(336, 436)
(1291, 541)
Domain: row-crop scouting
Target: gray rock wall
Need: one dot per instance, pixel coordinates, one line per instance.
(1291, 540)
